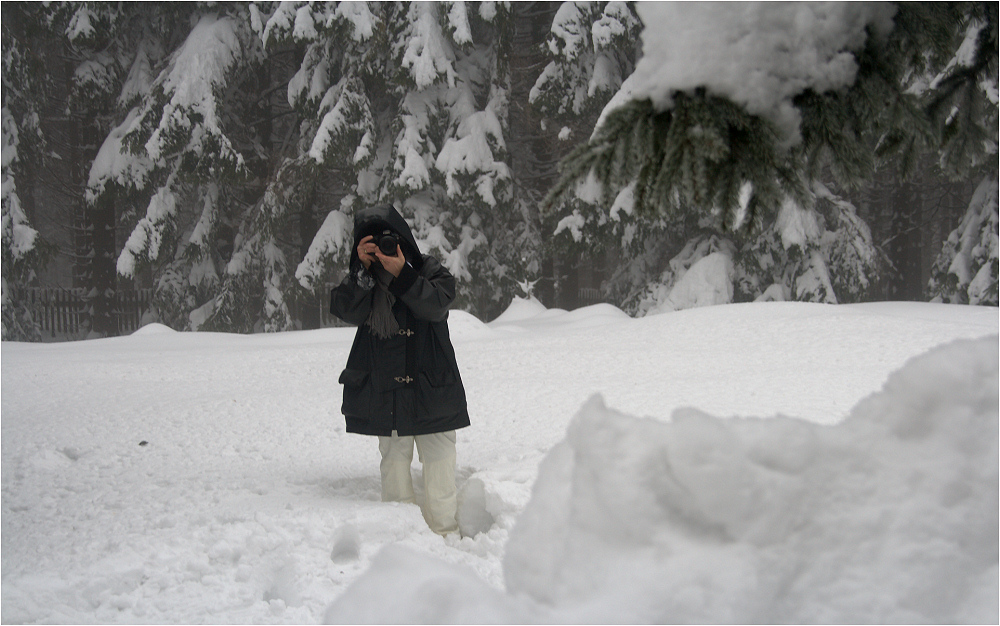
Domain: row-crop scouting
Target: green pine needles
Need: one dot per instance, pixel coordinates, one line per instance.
(705, 152)
(708, 156)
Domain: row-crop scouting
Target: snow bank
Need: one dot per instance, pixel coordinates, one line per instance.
(153, 329)
(406, 587)
(521, 309)
(889, 516)
(529, 313)
(461, 323)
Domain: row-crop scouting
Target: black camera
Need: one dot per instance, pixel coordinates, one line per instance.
(387, 242)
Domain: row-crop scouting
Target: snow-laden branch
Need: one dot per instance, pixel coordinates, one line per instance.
(472, 152)
(147, 236)
(18, 236)
(190, 118)
(115, 163)
(427, 54)
(756, 54)
(334, 239)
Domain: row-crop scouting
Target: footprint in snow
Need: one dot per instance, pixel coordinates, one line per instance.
(346, 544)
(473, 517)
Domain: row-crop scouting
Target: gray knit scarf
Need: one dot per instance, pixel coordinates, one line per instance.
(381, 321)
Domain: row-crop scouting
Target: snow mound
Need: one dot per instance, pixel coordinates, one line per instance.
(406, 587)
(595, 314)
(462, 323)
(521, 309)
(888, 516)
(531, 313)
(153, 329)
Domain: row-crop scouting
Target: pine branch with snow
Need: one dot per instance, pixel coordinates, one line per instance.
(177, 134)
(19, 241)
(966, 271)
(810, 89)
(702, 154)
(592, 47)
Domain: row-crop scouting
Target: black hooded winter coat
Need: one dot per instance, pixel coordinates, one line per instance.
(408, 383)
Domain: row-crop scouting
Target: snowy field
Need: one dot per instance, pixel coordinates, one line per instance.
(168, 477)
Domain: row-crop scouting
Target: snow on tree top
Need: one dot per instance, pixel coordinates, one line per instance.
(757, 54)
(80, 25)
(427, 54)
(305, 27)
(357, 13)
(197, 69)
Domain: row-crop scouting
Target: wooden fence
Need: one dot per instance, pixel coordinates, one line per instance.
(589, 295)
(64, 314)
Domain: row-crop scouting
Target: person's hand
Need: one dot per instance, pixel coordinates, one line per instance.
(392, 264)
(366, 250)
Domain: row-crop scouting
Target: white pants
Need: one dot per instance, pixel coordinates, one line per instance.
(437, 454)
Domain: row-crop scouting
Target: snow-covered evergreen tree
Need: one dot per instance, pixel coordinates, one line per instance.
(19, 241)
(173, 161)
(416, 106)
(593, 47)
(394, 102)
(22, 249)
(964, 104)
(735, 138)
(93, 43)
(967, 268)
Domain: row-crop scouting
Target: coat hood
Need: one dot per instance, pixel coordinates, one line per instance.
(373, 220)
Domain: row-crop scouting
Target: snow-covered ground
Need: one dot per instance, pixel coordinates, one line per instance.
(197, 477)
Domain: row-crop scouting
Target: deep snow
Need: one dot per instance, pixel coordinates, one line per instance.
(248, 502)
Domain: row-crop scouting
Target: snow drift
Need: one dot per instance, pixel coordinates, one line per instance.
(888, 516)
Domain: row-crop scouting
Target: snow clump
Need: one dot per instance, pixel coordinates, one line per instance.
(758, 54)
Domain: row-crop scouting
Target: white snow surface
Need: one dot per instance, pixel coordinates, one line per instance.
(839, 465)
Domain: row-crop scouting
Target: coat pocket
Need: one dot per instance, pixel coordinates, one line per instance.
(357, 393)
(439, 394)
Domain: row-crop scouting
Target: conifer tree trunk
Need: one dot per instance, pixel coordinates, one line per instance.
(101, 220)
(94, 232)
(905, 247)
(309, 313)
(88, 225)
(534, 155)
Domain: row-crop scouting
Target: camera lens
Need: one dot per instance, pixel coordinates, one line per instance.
(387, 243)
